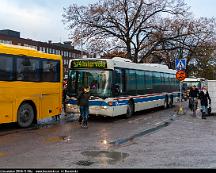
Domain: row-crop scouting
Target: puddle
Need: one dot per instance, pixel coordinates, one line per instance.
(84, 163)
(105, 157)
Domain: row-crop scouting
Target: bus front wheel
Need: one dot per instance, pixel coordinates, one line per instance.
(25, 115)
(130, 109)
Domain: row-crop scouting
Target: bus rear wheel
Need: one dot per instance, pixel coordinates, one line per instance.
(130, 109)
(25, 115)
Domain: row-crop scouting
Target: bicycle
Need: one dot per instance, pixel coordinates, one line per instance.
(194, 104)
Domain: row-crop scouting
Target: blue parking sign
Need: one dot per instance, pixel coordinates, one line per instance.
(180, 64)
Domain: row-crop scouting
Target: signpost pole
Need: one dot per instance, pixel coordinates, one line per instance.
(180, 75)
(181, 110)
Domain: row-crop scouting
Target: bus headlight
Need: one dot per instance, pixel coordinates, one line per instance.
(70, 106)
(105, 107)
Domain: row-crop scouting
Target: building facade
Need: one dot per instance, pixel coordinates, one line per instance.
(66, 50)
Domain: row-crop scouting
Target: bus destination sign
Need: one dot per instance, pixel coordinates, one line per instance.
(89, 64)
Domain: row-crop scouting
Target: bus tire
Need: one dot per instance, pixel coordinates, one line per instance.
(130, 109)
(25, 115)
(166, 102)
(171, 101)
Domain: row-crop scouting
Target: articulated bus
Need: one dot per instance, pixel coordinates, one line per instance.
(30, 85)
(118, 86)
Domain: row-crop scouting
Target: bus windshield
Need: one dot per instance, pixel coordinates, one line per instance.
(99, 82)
(188, 85)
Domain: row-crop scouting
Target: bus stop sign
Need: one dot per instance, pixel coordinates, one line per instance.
(180, 75)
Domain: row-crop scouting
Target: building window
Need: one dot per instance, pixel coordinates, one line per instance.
(65, 62)
(6, 41)
(58, 52)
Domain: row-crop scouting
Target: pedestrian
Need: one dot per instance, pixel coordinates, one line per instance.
(64, 97)
(81, 90)
(83, 102)
(193, 95)
(204, 101)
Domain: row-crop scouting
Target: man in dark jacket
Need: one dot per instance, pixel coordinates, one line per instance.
(204, 99)
(193, 94)
(83, 102)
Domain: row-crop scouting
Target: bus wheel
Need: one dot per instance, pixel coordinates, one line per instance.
(130, 109)
(25, 115)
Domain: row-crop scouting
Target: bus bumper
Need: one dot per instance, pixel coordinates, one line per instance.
(93, 110)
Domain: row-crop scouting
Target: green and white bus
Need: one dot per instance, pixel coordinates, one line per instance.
(119, 86)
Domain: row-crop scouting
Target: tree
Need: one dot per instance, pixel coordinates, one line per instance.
(195, 37)
(137, 27)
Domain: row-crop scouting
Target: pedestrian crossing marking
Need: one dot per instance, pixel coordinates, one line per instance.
(180, 64)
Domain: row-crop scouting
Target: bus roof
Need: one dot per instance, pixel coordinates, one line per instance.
(27, 51)
(126, 63)
(193, 79)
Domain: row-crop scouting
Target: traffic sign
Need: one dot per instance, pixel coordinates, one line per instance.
(180, 64)
(180, 75)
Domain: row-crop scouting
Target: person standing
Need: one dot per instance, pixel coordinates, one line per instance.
(64, 97)
(204, 100)
(83, 102)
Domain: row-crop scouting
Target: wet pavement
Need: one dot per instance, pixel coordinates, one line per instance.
(150, 139)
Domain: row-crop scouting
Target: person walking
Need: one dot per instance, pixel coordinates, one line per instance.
(83, 102)
(204, 101)
(193, 98)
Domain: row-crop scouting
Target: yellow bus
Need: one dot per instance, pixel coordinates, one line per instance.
(30, 85)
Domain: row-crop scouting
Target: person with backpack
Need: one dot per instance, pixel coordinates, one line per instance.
(83, 103)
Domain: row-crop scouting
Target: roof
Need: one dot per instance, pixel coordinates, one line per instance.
(128, 64)
(22, 50)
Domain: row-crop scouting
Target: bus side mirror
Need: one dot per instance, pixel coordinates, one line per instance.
(115, 90)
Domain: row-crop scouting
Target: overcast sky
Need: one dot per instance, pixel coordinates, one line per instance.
(42, 19)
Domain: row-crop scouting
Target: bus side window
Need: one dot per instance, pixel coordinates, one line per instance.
(118, 79)
(6, 68)
(51, 71)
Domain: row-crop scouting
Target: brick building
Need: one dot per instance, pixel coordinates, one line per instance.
(65, 49)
